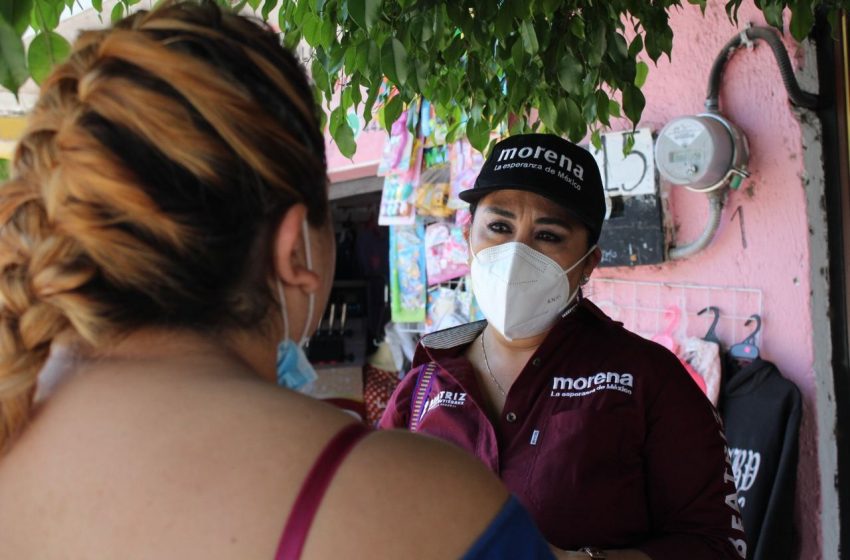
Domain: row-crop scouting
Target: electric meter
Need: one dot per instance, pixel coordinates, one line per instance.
(702, 152)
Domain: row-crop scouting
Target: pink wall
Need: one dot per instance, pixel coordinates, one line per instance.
(776, 259)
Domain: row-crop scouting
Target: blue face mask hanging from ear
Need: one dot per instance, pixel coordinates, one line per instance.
(294, 370)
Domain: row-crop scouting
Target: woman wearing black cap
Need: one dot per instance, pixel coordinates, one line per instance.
(601, 433)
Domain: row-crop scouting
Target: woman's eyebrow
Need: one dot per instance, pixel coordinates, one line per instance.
(500, 212)
(545, 221)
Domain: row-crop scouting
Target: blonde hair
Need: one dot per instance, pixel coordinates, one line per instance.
(155, 164)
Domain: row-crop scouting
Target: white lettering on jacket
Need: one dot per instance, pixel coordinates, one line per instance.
(740, 545)
(745, 465)
(582, 386)
(447, 399)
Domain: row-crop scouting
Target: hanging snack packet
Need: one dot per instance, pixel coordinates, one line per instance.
(407, 273)
(466, 163)
(466, 302)
(433, 194)
(446, 253)
(398, 148)
(398, 198)
(443, 309)
(426, 121)
(435, 155)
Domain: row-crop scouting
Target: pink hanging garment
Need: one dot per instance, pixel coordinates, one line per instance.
(704, 357)
(665, 339)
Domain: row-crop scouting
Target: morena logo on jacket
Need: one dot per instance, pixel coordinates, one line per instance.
(602, 381)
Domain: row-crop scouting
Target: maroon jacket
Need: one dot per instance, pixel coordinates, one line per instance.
(604, 437)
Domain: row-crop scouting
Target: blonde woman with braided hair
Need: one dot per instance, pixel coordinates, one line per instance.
(165, 228)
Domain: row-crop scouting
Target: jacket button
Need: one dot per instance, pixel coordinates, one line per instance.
(510, 417)
(535, 362)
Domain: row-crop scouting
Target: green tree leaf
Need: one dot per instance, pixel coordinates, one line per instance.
(529, 37)
(268, 8)
(46, 51)
(633, 103)
(596, 139)
(642, 73)
(628, 143)
(550, 7)
(321, 78)
(700, 3)
(16, 13)
(518, 56)
(364, 12)
(13, 61)
(636, 46)
(578, 127)
(392, 111)
(603, 106)
(371, 97)
(117, 13)
(570, 73)
(46, 14)
(802, 19)
(773, 15)
(312, 29)
(504, 24)
(394, 61)
(577, 26)
(478, 134)
(617, 47)
(596, 45)
(588, 109)
(342, 133)
(492, 61)
(327, 32)
(548, 113)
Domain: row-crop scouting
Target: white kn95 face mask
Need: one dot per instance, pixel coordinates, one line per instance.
(520, 291)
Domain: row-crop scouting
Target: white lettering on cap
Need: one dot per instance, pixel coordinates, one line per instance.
(538, 152)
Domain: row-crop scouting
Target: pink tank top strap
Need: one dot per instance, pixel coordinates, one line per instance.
(313, 490)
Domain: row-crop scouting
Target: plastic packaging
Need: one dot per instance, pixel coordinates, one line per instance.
(398, 148)
(466, 163)
(446, 253)
(398, 198)
(432, 197)
(407, 273)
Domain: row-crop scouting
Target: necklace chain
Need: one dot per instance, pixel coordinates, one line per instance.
(487, 364)
(570, 309)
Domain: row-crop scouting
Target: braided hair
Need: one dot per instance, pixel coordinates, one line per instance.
(155, 165)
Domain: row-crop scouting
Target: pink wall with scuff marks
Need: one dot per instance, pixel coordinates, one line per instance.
(776, 258)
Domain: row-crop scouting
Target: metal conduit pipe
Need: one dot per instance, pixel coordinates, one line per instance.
(797, 96)
(715, 210)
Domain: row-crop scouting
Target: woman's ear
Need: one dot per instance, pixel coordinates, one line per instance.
(592, 261)
(289, 256)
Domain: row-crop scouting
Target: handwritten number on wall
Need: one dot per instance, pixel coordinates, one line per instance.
(739, 211)
(612, 189)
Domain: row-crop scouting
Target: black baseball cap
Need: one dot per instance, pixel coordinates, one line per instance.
(550, 166)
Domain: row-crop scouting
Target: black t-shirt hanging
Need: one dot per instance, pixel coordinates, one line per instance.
(761, 414)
